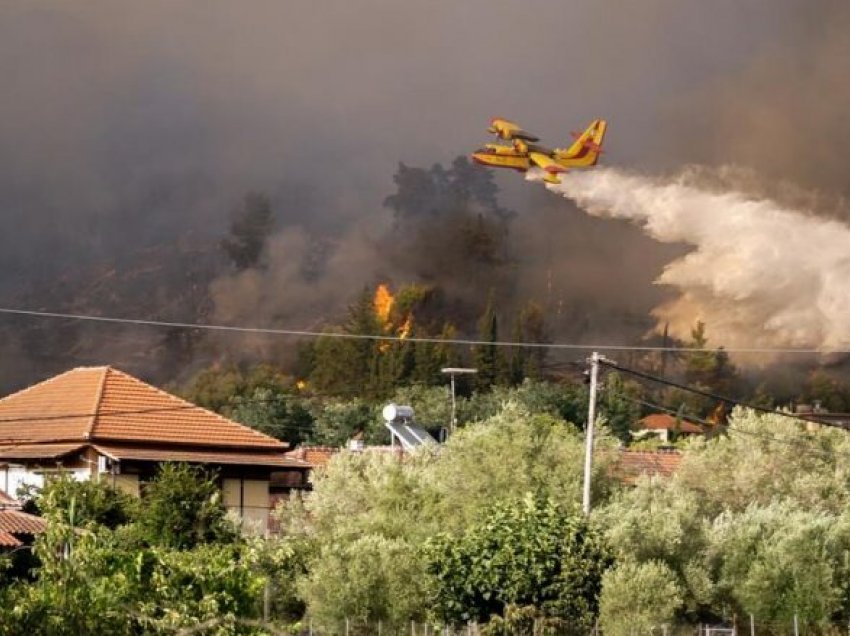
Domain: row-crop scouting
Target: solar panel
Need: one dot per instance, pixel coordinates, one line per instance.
(421, 434)
(410, 436)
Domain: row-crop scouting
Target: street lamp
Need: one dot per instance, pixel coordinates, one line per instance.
(453, 371)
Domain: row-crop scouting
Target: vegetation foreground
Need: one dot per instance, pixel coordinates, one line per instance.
(485, 530)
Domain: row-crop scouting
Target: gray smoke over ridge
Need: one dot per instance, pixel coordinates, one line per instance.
(288, 292)
(129, 127)
(760, 275)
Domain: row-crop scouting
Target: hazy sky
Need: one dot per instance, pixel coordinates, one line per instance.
(124, 124)
(129, 114)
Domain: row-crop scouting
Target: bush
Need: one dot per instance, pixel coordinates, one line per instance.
(523, 553)
(637, 597)
(183, 508)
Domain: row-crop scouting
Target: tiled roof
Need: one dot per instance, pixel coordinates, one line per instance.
(632, 464)
(8, 540)
(102, 404)
(42, 412)
(16, 522)
(38, 451)
(665, 422)
(314, 455)
(200, 456)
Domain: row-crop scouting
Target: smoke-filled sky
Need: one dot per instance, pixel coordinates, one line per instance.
(128, 124)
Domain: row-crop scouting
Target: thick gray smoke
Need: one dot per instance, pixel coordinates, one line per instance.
(759, 274)
(129, 131)
(288, 291)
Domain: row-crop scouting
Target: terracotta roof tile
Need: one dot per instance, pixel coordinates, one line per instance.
(38, 451)
(9, 541)
(103, 404)
(57, 409)
(632, 464)
(314, 455)
(17, 522)
(166, 418)
(665, 422)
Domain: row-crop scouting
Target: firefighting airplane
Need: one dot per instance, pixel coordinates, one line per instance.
(524, 153)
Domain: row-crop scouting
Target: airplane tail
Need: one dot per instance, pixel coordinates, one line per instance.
(587, 147)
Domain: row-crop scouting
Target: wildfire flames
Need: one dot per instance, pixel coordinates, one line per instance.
(383, 302)
(405, 328)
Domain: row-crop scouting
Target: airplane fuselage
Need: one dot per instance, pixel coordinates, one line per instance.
(499, 156)
(524, 153)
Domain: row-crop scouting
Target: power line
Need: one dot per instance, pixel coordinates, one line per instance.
(239, 401)
(790, 442)
(234, 402)
(716, 397)
(658, 407)
(419, 339)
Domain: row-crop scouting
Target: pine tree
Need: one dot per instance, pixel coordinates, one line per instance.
(489, 359)
(345, 365)
(530, 326)
(249, 229)
(708, 370)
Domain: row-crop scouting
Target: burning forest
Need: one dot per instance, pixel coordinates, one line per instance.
(277, 209)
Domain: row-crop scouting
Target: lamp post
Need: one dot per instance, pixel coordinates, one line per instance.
(453, 371)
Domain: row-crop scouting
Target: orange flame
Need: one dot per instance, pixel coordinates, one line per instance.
(301, 385)
(404, 330)
(383, 304)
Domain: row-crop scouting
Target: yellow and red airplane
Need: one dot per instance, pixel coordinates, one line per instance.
(524, 153)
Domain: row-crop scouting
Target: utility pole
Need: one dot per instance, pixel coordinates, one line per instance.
(452, 371)
(588, 434)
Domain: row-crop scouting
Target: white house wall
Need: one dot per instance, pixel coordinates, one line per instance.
(14, 476)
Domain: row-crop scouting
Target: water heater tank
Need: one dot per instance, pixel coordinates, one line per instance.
(393, 412)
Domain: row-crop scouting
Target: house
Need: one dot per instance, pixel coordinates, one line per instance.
(101, 423)
(819, 416)
(664, 426)
(313, 456)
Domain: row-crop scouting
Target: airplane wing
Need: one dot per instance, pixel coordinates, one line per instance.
(549, 165)
(505, 129)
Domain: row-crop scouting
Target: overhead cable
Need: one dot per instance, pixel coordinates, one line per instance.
(303, 333)
(823, 453)
(716, 397)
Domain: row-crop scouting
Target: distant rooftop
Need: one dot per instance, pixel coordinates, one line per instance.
(630, 465)
(665, 422)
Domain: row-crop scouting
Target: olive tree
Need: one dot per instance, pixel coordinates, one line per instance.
(526, 553)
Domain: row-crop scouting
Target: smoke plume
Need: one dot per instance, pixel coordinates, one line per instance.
(759, 275)
(129, 131)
